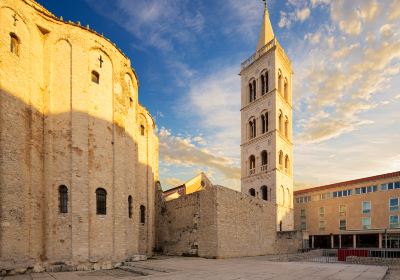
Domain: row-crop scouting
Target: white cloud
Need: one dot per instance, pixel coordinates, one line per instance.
(397, 96)
(313, 38)
(387, 31)
(303, 14)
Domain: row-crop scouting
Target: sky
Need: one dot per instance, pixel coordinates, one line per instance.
(187, 54)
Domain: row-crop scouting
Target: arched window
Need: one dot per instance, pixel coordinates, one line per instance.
(14, 44)
(286, 127)
(101, 201)
(252, 192)
(63, 197)
(266, 82)
(280, 120)
(252, 127)
(287, 163)
(262, 84)
(264, 160)
(280, 159)
(251, 92)
(288, 197)
(279, 81)
(142, 130)
(264, 120)
(286, 90)
(142, 214)
(264, 192)
(254, 90)
(252, 164)
(130, 207)
(283, 195)
(95, 77)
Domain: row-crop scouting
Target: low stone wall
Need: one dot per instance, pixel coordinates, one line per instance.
(221, 223)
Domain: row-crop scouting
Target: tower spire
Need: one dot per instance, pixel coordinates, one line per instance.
(266, 33)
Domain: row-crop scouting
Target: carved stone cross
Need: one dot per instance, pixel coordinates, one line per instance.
(101, 61)
(15, 19)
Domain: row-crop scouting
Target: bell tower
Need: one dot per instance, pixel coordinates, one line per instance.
(266, 126)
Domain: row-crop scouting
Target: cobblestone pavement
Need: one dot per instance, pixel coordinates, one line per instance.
(393, 274)
(256, 268)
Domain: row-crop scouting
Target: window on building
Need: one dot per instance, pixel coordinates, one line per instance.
(142, 214)
(63, 197)
(384, 187)
(280, 159)
(342, 210)
(252, 165)
(252, 192)
(287, 163)
(394, 204)
(397, 185)
(283, 195)
(366, 207)
(302, 213)
(101, 201)
(252, 128)
(286, 127)
(324, 196)
(286, 90)
(321, 225)
(254, 90)
(264, 160)
(266, 82)
(366, 223)
(394, 221)
(303, 225)
(390, 186)
(130, 207)
(251, 92)
(280, 120)
(95, 77)
(14, 44)
(321, 211)
(142, 130)
(279, 81)
(262, 84)
(264, 192)
(342, 224)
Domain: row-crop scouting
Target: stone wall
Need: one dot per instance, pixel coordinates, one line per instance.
(221, 223)
(58, 127)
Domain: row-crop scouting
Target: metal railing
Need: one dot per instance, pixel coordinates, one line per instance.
(259, 53)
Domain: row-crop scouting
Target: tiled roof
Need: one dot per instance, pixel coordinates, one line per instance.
(348, 183)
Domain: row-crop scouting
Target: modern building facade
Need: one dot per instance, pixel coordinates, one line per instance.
(266, 126)
(353, 214)
(78, 153)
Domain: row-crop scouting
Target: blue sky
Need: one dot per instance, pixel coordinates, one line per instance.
(346, 57)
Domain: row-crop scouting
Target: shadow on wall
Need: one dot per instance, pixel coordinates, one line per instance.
(73, 188)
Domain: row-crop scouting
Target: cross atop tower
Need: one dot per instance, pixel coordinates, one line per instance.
(15, 19)
(101, 61)
(265, 3)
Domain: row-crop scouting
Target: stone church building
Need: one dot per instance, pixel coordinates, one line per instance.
(78, 153)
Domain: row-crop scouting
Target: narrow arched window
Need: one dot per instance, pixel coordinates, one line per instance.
(266, 122)
(14, 44)
(252, 192)
(101, 202)
(287, 163)
(130, 207)
(286, 127)
(63, 197)
(252, 164)
(286, 90)
(262, 84)
(95, 77)
(264, 159)
(142, 214)
(280, 81)
(264, 192)
(142, 130)
(250, 92)
(280, 120)
(252, 128)
(254, 90)
(263, 124)
(266, 82)
(280, 159)
(283, 195)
